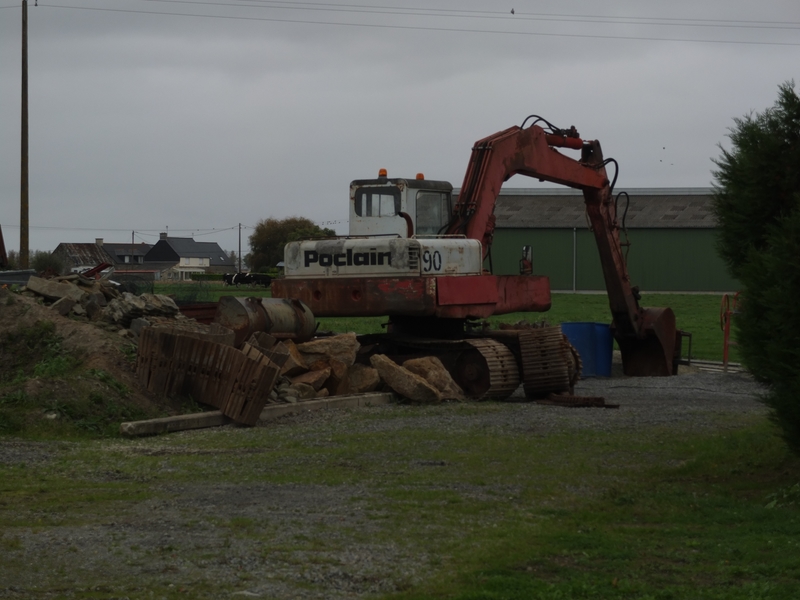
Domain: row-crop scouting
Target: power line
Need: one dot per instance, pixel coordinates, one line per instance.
(475, 14)
(422, 28)
(196, 231)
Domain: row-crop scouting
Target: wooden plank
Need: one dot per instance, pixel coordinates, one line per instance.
(168, 424)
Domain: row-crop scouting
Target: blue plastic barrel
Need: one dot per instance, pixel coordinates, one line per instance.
(594, 343)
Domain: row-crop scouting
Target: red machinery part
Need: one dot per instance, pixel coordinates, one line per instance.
(563, 141)
(477, 296)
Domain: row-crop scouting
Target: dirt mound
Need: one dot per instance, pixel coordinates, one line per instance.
(96, 348)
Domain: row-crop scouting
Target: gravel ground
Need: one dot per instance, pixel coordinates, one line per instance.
(187, 534)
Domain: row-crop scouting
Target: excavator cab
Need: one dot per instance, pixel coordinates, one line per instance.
(400, 207)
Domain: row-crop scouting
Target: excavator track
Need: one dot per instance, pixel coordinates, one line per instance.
(482, 367)
(548, 364)
(575, 365)
(488, 371)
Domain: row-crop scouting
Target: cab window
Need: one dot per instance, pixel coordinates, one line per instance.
(377, 202)
(433, 212)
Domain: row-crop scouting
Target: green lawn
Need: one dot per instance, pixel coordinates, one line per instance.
(208, 291)
(695, 313)
(651, 513)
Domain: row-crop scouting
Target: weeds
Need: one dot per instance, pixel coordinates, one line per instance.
(55, 366)
(121, 389)
(61, 401)
(34, 351)
(787, 496)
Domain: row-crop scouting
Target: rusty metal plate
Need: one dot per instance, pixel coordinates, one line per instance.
(362, 296)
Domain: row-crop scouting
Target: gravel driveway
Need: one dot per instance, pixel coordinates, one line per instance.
(187, 532)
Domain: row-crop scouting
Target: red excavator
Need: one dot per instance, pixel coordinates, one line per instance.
(418, 259)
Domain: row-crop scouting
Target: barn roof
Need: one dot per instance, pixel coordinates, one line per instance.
(81, 255)
(650, 208)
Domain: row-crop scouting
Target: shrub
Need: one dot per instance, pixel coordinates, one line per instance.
(757, 201)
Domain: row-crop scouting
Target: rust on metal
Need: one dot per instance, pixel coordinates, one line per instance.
(654, 351)
(487, 371)
(202, 312)
(478, 296)
(361, 296)
(547, 361)
(94, 272)
(281, 318)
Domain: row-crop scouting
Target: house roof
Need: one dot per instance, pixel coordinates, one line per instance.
(189, 248)
(120, 250)
(79, 255)
(649, 208)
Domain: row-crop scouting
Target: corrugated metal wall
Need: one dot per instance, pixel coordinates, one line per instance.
(679, 260)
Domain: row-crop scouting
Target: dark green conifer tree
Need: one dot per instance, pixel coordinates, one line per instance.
(757, 202)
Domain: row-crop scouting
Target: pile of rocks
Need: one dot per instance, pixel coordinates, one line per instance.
(99, 300)
(328, 366)
(322, 367)
(203, 361)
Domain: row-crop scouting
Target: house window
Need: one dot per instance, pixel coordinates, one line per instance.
(127, 259)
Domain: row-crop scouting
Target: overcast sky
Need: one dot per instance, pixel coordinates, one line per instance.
(200, 115)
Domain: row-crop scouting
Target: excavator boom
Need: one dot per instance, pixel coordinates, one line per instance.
(647, 337)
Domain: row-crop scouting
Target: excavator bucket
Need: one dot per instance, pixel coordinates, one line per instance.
(654, 353)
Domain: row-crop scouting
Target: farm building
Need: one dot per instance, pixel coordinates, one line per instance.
(671, 231)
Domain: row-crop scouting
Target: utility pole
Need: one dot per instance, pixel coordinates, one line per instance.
(23, 188)
(240, 247)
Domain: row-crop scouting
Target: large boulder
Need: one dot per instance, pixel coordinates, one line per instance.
(124, 309)
(54, 290)
(295, 364)
(336, 383)
(404, 382)
(301, 391)
(432, 370)
(361, 379)
(340, 347)
(63, 306)
(313, 378)
(159, 305)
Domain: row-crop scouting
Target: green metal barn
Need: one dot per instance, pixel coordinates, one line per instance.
(671, 231)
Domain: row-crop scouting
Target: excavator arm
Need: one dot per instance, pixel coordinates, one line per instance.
(647, 337)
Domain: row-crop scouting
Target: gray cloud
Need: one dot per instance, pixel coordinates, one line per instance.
(141, 121)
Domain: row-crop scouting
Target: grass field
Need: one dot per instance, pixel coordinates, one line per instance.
(628, 514)
(658, 512)
(695, 313)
